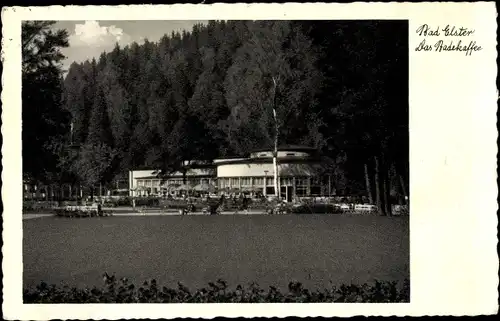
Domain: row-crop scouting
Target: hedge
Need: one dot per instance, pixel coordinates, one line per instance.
(316, 209)
(121, 291)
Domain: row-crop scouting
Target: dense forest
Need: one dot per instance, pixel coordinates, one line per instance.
(339, 86)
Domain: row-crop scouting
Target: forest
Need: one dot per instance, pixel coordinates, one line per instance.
(338, 86)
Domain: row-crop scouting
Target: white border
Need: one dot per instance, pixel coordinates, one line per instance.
(453, 134)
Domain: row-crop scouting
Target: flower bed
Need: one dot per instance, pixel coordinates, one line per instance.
(121, 291)
(81, 213)
(36, 206)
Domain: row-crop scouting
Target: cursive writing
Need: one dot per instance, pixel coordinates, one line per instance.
(425, 30)
(468, 49)
(442, 45)
(448, 31)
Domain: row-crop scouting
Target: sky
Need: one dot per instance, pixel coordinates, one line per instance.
(88, 39)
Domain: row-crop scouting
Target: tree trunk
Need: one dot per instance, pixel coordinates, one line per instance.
(277, 192)
(60, 196)
(386, 194)
(277, 184)
(368, 185)
(403, 188)
(378, 189)
(329, 185)
(387, 186)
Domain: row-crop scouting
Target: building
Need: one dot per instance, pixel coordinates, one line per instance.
(302, 173)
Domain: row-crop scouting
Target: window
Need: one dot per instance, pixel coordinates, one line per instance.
(246, 181)
(148, 183)
(286, 181)
(301, 191)
(223, 182)
(290, 154)
(140, 182)
(258, 181)
(301, 181)
(270, 181)
(235, 182)
(262, 155)
(156, 183)
(315, 190)
(270, 190)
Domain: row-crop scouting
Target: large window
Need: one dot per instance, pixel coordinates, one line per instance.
(235, 182)
(301, 181)
(246, 181)
(286, 181)
(301, 191)
(223, 182)
(270, 181)
(270, 190)
(258, 181)
(315, 190)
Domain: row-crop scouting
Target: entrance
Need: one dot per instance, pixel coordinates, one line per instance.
(286, 193)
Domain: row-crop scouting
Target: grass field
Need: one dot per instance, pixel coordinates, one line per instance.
(312, 249)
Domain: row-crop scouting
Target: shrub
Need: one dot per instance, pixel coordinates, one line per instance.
(148, 201)
(34, 206)
(80, 213)
(121, 291)
(317, 208)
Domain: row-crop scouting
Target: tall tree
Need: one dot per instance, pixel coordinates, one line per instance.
(45, 122)
(94, 164)
(271, 86)
(99, 125)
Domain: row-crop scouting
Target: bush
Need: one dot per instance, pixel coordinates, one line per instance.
(148, 201)
(80, 213)
(36, 206)
(316, 209)
(121, 291)
(123, 201)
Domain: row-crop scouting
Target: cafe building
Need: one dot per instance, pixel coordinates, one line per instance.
(301, 171)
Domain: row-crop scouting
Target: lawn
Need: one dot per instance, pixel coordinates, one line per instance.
(312, 249)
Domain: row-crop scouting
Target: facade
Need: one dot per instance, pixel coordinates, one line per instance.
(301, 173)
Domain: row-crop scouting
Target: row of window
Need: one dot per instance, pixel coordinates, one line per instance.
(233, 182)
(156, 183)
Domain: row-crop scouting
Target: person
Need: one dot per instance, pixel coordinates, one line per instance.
(214, 209)
(245, 203)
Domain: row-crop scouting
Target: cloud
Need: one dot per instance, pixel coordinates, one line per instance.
(91, 33)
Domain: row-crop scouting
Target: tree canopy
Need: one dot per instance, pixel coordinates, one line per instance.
(45, 121)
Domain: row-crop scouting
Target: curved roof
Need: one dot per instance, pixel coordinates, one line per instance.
(297, 148)
(260, 160)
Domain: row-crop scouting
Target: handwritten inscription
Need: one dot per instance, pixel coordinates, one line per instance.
(454, 39)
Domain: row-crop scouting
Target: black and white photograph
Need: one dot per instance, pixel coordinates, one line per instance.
(229, 161)
(221, 160)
